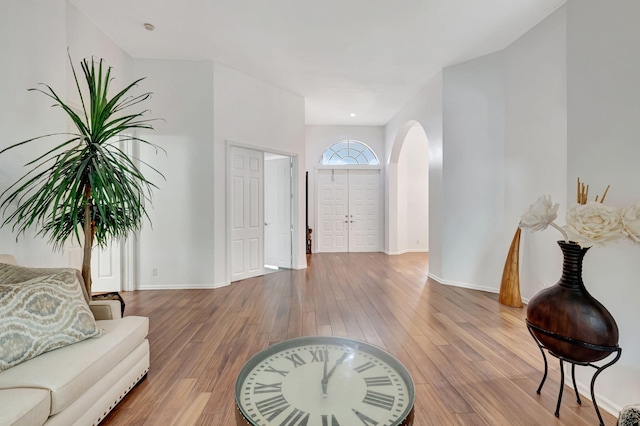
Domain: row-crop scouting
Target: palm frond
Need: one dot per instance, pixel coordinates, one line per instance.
(87, 168)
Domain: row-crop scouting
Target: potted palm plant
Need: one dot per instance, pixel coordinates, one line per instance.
(85, 187)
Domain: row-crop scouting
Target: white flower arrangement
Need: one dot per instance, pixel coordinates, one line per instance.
(587, 223)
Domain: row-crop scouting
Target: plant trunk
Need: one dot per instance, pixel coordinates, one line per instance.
(88, 242)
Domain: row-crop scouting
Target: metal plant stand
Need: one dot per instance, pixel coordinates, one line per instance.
(578, 343)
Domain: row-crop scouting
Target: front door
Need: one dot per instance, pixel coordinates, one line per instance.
(246, 180)
(348, 210)
(364, 210)
(333, 211)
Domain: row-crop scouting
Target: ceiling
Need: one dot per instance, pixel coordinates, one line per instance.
(366, 57)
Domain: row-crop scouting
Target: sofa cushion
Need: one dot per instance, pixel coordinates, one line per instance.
(42, 314)
(24, 407)
(70, 371)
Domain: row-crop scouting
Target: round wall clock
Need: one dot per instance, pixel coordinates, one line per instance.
(324, 381)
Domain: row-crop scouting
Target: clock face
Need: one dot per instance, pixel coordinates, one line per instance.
(324, 381)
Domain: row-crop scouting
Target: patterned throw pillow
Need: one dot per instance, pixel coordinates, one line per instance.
(42, 314)
(16, 274)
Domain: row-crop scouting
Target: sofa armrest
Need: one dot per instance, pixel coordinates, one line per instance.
(105, 309)
(8, 259)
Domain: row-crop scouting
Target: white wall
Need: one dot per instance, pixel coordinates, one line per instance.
(527, 121)
(319, 138)
(413, 192)
(178, 248)
(85, 40)
(187, 244)
(35, 35)
(603, 148)
(536, 153)
(33, 47)
(252, 113)
(473, 172)
(505, 133)
(425, 109)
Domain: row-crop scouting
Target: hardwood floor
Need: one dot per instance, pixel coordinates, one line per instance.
(472, 360)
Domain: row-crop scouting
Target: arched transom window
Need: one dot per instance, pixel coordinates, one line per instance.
(349, 152)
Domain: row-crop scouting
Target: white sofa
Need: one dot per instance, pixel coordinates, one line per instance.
(81, 383)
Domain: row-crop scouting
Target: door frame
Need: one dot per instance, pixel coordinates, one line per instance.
(381, 222)
(295, 191)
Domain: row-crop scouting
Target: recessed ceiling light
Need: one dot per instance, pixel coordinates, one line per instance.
(149, 27)
(353, 114)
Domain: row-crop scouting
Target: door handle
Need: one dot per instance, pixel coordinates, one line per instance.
(265, 224)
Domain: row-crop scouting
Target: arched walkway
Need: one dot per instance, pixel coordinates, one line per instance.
(408, 190)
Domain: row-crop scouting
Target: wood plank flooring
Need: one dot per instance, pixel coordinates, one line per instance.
(472, 360)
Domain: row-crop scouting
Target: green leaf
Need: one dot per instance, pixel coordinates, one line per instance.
(87, 167)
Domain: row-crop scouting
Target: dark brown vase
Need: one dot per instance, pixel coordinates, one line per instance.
(567, 320)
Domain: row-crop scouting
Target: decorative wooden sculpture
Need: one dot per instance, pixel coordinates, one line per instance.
(510, 286)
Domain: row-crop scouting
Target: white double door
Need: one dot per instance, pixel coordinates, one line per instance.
(348, 210)
(260, 202)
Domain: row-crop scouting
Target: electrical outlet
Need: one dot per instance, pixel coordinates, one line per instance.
(154, 272)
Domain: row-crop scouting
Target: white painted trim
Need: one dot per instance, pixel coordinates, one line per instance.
(295, 190)
(349, 167)
(395, 253)
(463, 285)
(227, 197)
(260, 148)
(129, 251)
(183, 286)
(585, 392)
(301, 266)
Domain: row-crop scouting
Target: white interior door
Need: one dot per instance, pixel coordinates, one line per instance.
(247, 218)
(348, 210)
(105, 266)
(364, 210)
(333, 211)
(277, 211)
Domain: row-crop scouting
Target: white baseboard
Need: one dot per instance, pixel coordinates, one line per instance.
(183, 286)
(585, 391)
(463, 285)
(395, 253)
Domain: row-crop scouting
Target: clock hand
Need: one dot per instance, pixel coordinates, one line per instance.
(325, 381)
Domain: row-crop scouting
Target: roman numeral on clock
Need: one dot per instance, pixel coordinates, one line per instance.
(368, 421)
(296, 359)
(365, 367)
(265, 388)
(378, 381)
(270, 408)
(379, 400)
(296, 418)
(270, 369)
(325, 420)
(317, 355)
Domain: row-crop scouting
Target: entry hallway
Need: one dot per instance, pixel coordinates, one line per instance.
(472, 360)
